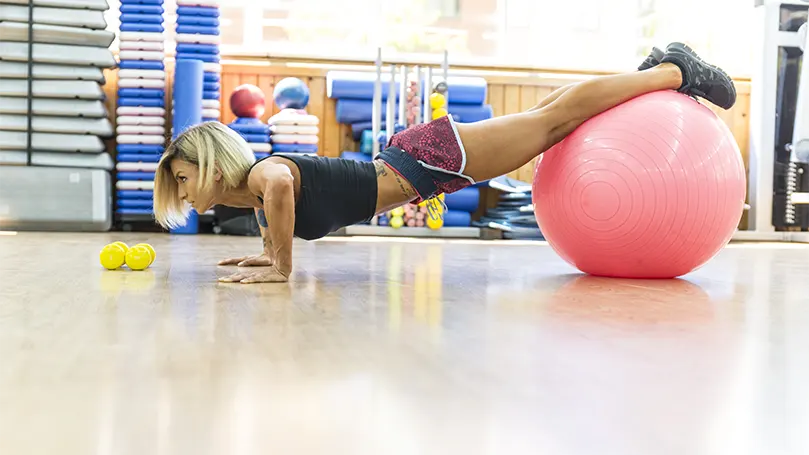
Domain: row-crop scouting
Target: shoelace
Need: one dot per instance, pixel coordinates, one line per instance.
(432, 208)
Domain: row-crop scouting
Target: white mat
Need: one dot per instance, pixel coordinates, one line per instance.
(58, 53)
(294, 129)
(134, 185)
(59, 159)
(293, 139)
(142, 83)
(86, 90)
(141, 46)
(55, 34)
(51, 142)
(140, 139)
(55, 16)
(19, 70)
(134, 167)
(197, 39)
(140, 129)
(141, 74)
(141, 36)
(70, 125)
(64, 108)
(96, 5)
(141, 55)
(130, 120)
(138, 110)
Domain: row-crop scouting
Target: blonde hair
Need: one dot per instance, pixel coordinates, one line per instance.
(210, 146)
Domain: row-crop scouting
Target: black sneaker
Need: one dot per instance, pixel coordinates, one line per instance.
(700, 78)
(652, 60)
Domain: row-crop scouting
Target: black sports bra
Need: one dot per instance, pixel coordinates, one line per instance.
(334, 193)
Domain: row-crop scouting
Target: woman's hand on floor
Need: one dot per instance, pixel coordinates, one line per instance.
(262, 260)
(266, 275)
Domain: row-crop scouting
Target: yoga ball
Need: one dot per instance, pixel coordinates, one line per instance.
(652, 188)
(247, 101)
(291, 93)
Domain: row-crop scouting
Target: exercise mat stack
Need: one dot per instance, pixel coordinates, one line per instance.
(141, 131)
(294, 131)
(514, 213)
(354, 92)
(256, 133)
(70, 49)
(198, 39)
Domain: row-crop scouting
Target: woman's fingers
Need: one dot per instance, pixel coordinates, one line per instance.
(254, 261)
(232, 261)
(235, 278)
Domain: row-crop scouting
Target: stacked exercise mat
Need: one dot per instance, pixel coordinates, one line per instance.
(66, 113)
(141, 112)
(247, 103)
(354, 94)
(198, 39)
(294, 131)
(514, 213)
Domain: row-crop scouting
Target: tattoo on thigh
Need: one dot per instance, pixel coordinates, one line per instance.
(380, 169)
(407, 190)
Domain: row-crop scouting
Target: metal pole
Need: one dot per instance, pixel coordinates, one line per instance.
(376, 107)
(417, 92)
(390, 120)
(445, 67)
(403, 95)
(427, 112)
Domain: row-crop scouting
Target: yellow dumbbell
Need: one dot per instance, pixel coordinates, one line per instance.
(152, 252)
(112, 256)
(138, 258)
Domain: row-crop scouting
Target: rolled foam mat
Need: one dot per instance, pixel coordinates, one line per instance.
(254, 138)
(65, 108)
(206, 11)
(68, 17)
(141, 9)
(19, 70)
(136, 27)
(138, 65)
(142, 18)
(134, 194)
(291, 117)
(95, 5)
(260, 147)
(149, 111)
(134, 167)
(141, 2)
(211, 104)
(250, 128)
(210, 113)
(197, 30)
(69, 125)
(142, 36)
(141, 102)
(135, 203)
(193, 48)
(294, 129)
(86, 90)
(142, 74)
(141, 46)
(293, 139)
(122, 211)
(360, 85)
(465, 200)
(128, 120)
(136, 176)
(211, 87)
(294, 148)
(51, 142)
(187, 95)
(141, 93)
(198, 56)
(140, 129)
(58, 53)
(454, 218)
(141, 55)
(138, 158)
(194, 38)
(212, 76)
(58, 159)
(210, 95)
(142, 83)
(356, 156)
(149, 139)
(56, 34)
(198, 20)
(207, 3)
(356, 111)
(134, 185)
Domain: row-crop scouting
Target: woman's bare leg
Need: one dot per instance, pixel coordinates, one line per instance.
(552, 97)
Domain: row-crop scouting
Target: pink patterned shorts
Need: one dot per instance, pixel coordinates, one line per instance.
(438, 151)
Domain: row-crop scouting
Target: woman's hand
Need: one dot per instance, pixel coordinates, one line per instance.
(267, 275)
(262, 260)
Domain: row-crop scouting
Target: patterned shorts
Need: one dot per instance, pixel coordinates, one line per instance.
(430, 156)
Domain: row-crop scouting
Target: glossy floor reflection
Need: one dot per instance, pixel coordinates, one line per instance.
(398, 347)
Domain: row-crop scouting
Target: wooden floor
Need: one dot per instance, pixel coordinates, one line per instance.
(397, 347)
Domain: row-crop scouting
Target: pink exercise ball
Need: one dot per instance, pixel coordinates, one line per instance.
(652, 188)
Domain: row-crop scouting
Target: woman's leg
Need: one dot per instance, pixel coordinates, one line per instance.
(500, 145)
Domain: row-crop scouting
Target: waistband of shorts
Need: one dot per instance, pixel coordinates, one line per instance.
(409, 168)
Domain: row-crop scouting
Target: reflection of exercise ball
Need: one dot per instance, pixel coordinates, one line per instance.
(247, 101)
(652, 188)
(291, 93)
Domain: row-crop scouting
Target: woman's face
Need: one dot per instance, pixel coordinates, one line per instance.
(187, 177)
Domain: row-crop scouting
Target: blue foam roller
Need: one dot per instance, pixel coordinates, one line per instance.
(123, 211)
(356, 156)
(197, 30)
(191, 225)
(135, 176)
(465, 200)
(211, 87)
(198, 20)
(357, 129)
(135, 204)
(294, 148)
(260, 155)
(360, 85)
(454, 218)
(128, 18)
(142, 102)
(207, 11)
(467, 113)
(212, 77)
(355, 111)
(141, 65)
(133, 149)
(141, 9)
(134, 194)
(251, 128)
(195, 48)
(198, 56)
(206, 95)
(141, 2)
(188, 76)
(141, 93)
(255, 138)
(138, 27)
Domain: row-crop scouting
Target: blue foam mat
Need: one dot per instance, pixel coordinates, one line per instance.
(141, 65)
(141, 2)
(356, 156)
(138, 158)
(357, 111)
(211, 86)
(465, 200)
(360, 85)
(211, 77)
(194, 48)
(122, 211)
(134, 194)
(135, 204)
(208, 11)
(197, 30)
(141, 93)
(141, 9)
(251, 128)
(294, 148)
(139, 149)
(204, 119)
(134, 175)
(207, 95)
(255, 138)
(142, 102)
(208, 58)
(204, 21)
(137, 27)
(140, 18)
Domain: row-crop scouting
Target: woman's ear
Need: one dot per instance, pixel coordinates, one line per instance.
(217, 176)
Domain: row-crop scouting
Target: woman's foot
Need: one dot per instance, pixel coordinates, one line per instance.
(700, 78)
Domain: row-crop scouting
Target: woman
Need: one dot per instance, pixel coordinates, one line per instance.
(310, 196)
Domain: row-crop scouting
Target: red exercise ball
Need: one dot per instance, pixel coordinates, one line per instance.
(247, 101)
